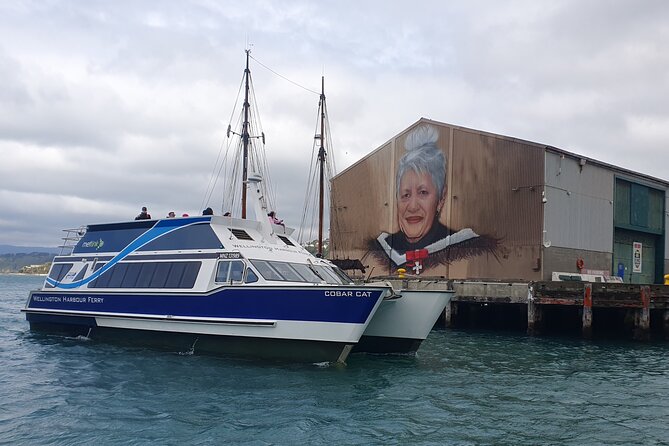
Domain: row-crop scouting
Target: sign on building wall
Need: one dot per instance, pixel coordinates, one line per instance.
(637, 249)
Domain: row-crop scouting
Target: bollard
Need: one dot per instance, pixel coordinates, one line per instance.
(666, 279)
(401, 272)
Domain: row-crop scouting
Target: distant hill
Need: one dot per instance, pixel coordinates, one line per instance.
(15, 262)
(9, 249)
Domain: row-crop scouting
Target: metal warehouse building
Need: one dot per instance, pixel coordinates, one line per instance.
(507, 209)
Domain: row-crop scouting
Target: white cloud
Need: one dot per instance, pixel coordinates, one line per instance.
(108, 107)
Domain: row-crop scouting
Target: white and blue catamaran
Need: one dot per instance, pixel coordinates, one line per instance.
(222, 284)
(217, 284)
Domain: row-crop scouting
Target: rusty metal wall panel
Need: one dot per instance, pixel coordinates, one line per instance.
(497, 187)
(361, 203)
(579, 204)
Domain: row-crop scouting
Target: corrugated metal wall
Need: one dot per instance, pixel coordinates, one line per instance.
(498, 187)
(362, 201)
(579, 204)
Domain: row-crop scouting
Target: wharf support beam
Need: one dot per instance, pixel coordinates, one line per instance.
(587, 311)
(534, 314)
(642, 316)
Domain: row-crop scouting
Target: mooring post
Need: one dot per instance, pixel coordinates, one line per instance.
(533, 313)
(642, 317)
(448, 314)
(587, 310)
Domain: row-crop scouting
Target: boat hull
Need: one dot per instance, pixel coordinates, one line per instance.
(400, 325)
(272, 349)
(298, 324)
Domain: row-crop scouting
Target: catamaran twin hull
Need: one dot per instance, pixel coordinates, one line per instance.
(401, 324)
(314, 324)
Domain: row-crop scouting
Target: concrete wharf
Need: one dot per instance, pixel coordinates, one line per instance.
(593, 308)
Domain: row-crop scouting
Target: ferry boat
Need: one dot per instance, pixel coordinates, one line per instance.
(212, 283)
(225, 285)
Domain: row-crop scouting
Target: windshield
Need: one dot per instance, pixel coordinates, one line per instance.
(300, 272)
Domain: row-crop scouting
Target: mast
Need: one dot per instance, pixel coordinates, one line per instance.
(321, 165)
(245, 133)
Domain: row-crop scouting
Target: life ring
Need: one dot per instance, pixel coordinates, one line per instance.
(579, 263)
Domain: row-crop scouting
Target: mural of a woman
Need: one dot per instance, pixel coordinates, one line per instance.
(421, 192)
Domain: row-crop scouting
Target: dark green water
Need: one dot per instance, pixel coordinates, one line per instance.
(463, 388)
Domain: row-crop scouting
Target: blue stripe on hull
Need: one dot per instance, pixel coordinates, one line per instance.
(245, 303)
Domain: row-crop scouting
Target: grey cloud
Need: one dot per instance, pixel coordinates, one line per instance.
(115, 106)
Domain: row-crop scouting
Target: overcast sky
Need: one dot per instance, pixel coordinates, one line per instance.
(108, 106)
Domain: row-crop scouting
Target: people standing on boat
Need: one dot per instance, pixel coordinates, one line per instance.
(171, 214)
(274, 219)
(144, 215)
(208, 211)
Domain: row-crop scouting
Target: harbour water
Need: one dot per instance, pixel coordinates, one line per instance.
(463, 388)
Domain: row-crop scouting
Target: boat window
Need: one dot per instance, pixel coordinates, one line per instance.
(241, 234)
(286, 240)
(306, 272)
(103, 280)
(190, 274)
(145, 274)
(266, 270)
(327, 274)
(251, 276)
(81, 274)
(176, 272)
(132, 275)
(160, 275)
(59, 270)
(344, 277)
(117, 274)
(149, 275)
(287, 272)
(230, 271)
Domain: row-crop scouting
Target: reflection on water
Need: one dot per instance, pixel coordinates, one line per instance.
(462, 388)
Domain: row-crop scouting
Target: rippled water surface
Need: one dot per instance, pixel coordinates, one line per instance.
(463, 388)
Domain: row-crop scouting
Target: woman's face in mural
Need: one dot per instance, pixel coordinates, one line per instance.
(417, 205)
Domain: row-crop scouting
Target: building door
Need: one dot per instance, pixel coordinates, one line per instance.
(623, 253)
(638, 219)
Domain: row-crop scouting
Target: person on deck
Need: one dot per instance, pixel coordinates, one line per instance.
(208, 211)
(274, 219)
(144, 215)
